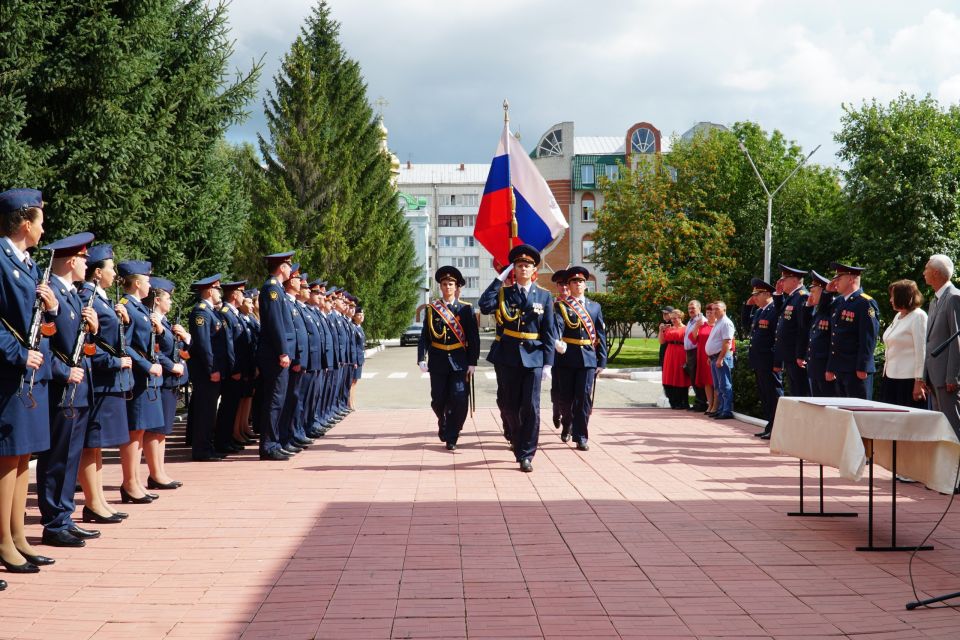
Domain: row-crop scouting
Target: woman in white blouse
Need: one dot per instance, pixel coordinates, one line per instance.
(904, 344)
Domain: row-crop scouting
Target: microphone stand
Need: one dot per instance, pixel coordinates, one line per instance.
(949, 596)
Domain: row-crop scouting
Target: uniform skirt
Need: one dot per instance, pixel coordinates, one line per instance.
(358, 372)
(145, 409)
(23, 430)
(168, 402)
(107, 426)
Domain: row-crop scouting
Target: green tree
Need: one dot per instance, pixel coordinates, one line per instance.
(902, 181)
(657, 241)
(327, 185)
(619, 316)
(118, 111)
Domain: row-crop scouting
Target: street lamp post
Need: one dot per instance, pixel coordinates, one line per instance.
(768, 232)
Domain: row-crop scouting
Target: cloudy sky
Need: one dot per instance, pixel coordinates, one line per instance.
(445, 66)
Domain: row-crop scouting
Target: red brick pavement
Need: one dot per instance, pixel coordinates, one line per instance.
(671, 526)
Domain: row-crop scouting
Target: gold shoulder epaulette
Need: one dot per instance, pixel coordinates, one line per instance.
(123, 300)
(273, 281)
(202, 305)
(804, 293)
(865, 296)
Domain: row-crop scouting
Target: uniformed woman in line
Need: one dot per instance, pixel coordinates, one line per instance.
(107, 425)
(169, 355)
(144, 408)
(241, 425)
(360, 338)
(24, 414)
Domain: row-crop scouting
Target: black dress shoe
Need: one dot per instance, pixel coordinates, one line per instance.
(126, 497)
(451, 447)
(556, 423)
(583, 446)
(765, 436)
(162, 486)
(273, 455)
(89, 515)
(83, 534)
(526, 465)
(3, 585)
(289, 453)
(303, 442)
(40, 561)
(26, 567)
(565, 437)
(121, 514)
(723, 416)
(292, 448)
(60, 539)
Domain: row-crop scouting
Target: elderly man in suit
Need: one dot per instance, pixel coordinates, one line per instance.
(942, 372)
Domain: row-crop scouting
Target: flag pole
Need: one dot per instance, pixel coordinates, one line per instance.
(514, 231)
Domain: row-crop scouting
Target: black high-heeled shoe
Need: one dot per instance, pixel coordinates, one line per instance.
(89, 515)
(126, 497)
(40, 561)
(153, 484)
(26, 567)
(121, 514)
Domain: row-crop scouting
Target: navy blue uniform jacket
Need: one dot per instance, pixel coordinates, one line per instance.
(853, 333)
(580, 356)
(534, 319)
(435, 331)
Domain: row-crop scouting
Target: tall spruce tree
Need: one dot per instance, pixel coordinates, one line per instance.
(117, 111)
(327, 184)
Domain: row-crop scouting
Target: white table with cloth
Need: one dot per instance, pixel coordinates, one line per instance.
(836, 431)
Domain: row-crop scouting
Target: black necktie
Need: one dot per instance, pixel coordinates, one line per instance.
(523, 297)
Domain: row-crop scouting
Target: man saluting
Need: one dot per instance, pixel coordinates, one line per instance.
(526, 348)
(449, 347)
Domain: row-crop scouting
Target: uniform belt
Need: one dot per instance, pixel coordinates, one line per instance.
(520, 335)
(578, 341)
(446, 347)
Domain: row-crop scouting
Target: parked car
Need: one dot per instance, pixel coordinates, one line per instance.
(411, 335)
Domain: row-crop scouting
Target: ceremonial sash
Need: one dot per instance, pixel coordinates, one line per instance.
(585, 318)
(449, 319)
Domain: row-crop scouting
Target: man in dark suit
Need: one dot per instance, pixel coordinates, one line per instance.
(581, 355)
(526, 347)
(942, 372)
(854, 325)
(449, 348)
(761, 315)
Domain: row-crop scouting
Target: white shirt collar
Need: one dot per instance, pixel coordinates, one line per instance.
(66, 283)
(942, 289)
(766, 305)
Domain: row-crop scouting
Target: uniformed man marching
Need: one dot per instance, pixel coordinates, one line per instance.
(559, 279)
(761, 315)
(854, 326)
(581, 356)
(526, 348)
(449, 348)
(791, 297)
(816, 325)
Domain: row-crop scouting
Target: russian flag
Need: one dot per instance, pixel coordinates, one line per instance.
(539, 219)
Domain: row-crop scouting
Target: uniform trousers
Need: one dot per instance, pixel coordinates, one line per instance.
(203, 414)
(574, 389)
(521, 403)
(797, 379)
(230, 393)
(555, 401)
(849, 385)
(290, 407)
(449, 401)
(817, 375)
(315, 420)
(505, 418)
(57, 467)
(308, 395)
(770, 390)
(274, 384)
(329, 393)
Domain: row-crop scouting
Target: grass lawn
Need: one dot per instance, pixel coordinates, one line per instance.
(637, 352)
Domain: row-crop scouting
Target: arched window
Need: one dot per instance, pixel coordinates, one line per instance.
(587, 248)
(588, 206)
(643, 140)
(551, 144)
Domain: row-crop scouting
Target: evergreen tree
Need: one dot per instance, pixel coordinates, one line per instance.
(327, 184)
(123, 108)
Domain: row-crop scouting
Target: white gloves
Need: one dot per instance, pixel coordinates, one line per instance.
(506, 272)
(546, 375)
(423, 366)
(560, 346)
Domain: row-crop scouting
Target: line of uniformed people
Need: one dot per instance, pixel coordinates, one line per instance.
(823, 338)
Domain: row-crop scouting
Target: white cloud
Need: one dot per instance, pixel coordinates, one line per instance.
(445, 67)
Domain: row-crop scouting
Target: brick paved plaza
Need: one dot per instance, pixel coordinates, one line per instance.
(671, 526)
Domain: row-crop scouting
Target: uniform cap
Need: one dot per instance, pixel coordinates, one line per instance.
(786, 271)
(761, 286)
(99, 253)
(841, 269)
(667, 309)
(279, 257)
(71, 245)
(303, 276)
(818, 279)
(231, 286)
(251, 293)
(524, 253)
(294, 269)
(20, 199)
(162, 284)
(573, 272)
(446, 272)
(205, 283)
(134, 268)
(559, 276)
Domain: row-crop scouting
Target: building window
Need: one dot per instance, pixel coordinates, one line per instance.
(586, 174)
(448, 241)
(469, 241)
(587, 207)
(643, 141)
(473, 282)
(586, 249)
(591, 286)
(551, 144)
(612, 171)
